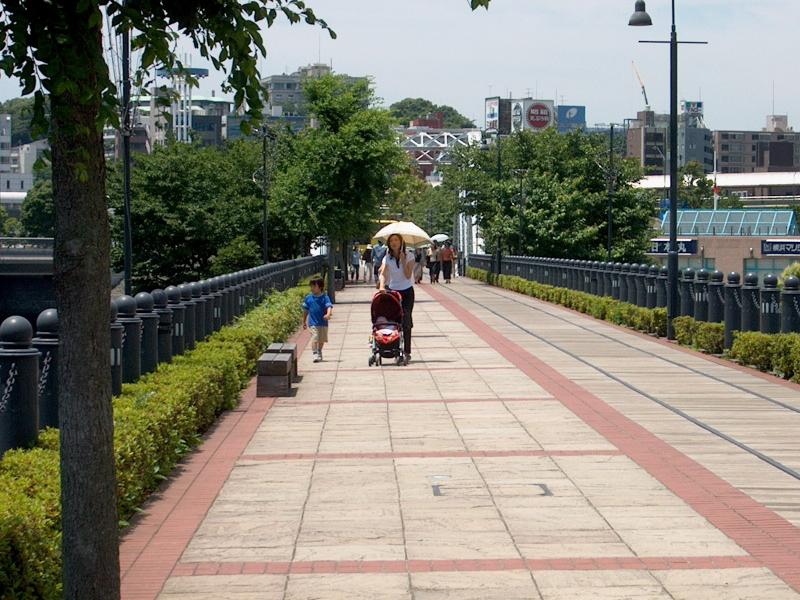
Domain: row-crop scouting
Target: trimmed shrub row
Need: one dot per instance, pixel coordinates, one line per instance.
(646, 320)
(156, 421)
(773, 353)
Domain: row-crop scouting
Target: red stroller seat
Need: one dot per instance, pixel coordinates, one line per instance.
(387, 328)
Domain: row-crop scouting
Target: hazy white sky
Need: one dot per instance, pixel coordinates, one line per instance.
(573, 51)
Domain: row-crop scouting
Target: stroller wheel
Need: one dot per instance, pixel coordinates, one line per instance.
(371, 360)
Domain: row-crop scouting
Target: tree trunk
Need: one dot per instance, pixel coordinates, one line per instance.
(88, 483)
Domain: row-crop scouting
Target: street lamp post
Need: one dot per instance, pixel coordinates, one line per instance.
(611, 177)
(266, 136)
(640, 18)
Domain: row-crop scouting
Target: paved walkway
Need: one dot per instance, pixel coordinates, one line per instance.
(527, 452)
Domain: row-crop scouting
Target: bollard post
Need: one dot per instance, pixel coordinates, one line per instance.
(178, 319)
(716, 298)
(633, 274)
(607, 275)
(594, 279)
(662, 282)
(117, 331)
(199, 311)
(131, 339)
(616, 269)
(790, 311)
(160, 306)
(208, 301)
(189, 316)
(701, 296)
(624, 269)
(149, 345)
(19, 375)
(46, 342)
(733, 308)
(217, 304)
(230, 299)
(770, 305)
(651, 290)
(751, 303)
(641, 286)
(686, 292)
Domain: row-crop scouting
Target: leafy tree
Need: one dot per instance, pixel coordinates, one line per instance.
(12, 228)
(55, 49)
(241, 253)
(545, 194)
(21, 111)
(38, 214)
(696, 190)
(3, 219)
(409, 109)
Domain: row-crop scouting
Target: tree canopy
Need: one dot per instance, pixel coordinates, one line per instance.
(416, 108)
(545, 194)
(21, 111)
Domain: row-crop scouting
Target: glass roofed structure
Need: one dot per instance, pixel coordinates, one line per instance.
(739, 222)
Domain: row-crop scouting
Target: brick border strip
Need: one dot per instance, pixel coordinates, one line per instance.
(153, 545)
(623, 563)
(766, 536)
(431, 454)
(283, 402)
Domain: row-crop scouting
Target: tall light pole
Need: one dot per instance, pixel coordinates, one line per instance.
(126, 160)
(640, 18)
(611, 178)
(267, 135)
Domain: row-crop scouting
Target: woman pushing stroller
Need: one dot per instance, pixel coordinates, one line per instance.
(396, 274)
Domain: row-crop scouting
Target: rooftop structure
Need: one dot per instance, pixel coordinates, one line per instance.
(740, 222)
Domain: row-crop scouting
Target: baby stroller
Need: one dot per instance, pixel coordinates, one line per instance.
(386, 340)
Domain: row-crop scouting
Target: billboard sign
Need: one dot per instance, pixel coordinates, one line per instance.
(492, 114)
(517, 115)
(685, 246)
(784, 247)
(539, 115)
(571, 117)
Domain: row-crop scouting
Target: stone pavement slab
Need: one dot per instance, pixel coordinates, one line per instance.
(497, 465)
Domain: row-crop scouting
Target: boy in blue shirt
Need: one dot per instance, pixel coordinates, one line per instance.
(317, 311)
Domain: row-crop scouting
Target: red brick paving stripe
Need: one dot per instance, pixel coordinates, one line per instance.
(630, 563)
(768, 537)
(152, 546)
(430, 454)
(411, 368)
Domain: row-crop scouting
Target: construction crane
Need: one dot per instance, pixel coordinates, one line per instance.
(641, 83)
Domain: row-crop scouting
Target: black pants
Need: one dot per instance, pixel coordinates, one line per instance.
(447, 269)
(434, 270)
(408, 321)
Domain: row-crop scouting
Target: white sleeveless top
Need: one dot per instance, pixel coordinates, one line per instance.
(394, 276)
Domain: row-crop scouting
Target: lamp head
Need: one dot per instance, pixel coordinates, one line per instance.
(640, 18)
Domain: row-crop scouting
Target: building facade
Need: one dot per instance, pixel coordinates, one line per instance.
(286, 91)
(773, 149)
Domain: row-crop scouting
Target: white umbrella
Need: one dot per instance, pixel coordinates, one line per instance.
(413, 235)
(440, 237)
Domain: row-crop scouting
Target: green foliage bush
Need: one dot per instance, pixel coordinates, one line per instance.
(793, 270)
(156, 421)
(773, 353)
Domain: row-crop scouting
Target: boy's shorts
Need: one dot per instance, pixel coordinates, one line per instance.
(319, 335)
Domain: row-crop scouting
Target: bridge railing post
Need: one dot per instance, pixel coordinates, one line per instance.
(770, 305)
(790, 311)
(716, 298)
(751, 303)
(19, 379)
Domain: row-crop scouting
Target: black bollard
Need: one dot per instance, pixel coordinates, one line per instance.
(624, 270)
(716, 298)
(594, 279)
(701, 296)
(131, 339)
(208, 298)
(770, 305)
(229, 304)
(189, 316)
(633, 275)
(19, 378)
(217, 303)
(46, 342)
(641, 286)
(751, 303)
(199, 311)
(686, 291)
(160, 307)
(144, 310)
(661, 287)
(790, 311)
(733, 307)
(117, 331)
(178, 319)
(652, 278)
(607, 276)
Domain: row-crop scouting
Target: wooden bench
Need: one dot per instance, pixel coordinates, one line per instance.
(274, 376)
(286, 348)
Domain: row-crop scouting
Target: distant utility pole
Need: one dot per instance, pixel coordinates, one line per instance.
(126, 158)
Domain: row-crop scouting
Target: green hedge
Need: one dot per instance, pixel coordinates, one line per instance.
(156, 421)
(647, 320)
(773, 353)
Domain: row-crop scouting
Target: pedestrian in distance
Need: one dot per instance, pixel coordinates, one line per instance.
(366, 256)
(434, 265)
(317, 311)
(418, 266)
(378, 252)
(355, 264)
(446, 260)
(396, 274)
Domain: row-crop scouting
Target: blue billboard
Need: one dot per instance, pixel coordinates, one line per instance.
(571, 117)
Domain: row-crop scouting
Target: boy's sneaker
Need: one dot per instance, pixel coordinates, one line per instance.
(317, 357)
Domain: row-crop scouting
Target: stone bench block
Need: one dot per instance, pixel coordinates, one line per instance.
(286, 348)
(273, 363)
(273, 385)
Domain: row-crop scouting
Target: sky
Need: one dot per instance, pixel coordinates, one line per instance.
(571, 51)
